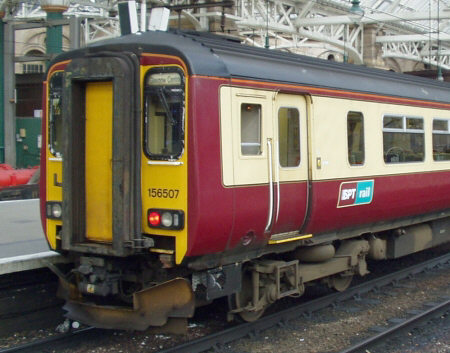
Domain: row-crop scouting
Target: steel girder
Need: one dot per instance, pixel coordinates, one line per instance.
(405, 28)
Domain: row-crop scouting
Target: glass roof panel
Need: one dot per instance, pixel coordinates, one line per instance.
(401, 9)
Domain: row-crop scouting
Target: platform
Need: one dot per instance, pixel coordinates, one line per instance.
(29, 262)
(22, 241)
(21, 231)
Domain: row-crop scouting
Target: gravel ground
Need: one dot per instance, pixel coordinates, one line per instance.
(431, 338)
(333, 329)
(329, 330)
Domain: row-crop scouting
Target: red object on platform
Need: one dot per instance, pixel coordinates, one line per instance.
(11, 177)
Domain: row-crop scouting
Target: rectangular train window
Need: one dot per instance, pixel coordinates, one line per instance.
(289, 137)
(164, 113)
(54, 115)
(250, 129)
(355, 138)
(441, 140)
(403, 139)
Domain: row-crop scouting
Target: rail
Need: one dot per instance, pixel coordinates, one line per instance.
(215, 341)
(436, 310)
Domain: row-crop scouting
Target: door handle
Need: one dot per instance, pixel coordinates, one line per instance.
(270, 166)
(277, 179)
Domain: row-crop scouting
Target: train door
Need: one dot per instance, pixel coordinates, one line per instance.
(101, 165)
(264, 148)
(98, 156)
(289, 164)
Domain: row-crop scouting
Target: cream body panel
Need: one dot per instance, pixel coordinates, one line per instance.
(329, 139)
(239, 169)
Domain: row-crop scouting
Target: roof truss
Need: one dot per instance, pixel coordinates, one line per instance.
(417, 30)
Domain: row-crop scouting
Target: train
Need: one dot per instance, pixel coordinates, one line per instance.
(182, 167)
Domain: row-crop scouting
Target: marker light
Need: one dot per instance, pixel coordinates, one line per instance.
(154, 218)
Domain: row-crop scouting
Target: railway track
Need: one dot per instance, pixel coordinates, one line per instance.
(56, 342)
(18, 280)
(435, 310)
(218, 341)
(25, 298)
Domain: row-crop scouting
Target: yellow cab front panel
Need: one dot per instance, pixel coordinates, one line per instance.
(164, 158)
(52, 135)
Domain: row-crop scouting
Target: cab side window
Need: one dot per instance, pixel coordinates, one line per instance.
(164, 100)
(55, 114)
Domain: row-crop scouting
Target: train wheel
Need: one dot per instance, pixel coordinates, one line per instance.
(340, 283)
(243, 300)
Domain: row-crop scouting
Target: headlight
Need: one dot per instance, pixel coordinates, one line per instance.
(56, 210)
(167, 219)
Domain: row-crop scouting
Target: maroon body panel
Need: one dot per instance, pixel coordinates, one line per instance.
(210, 205)
(223, 218)
(293, 207)
(395, 197)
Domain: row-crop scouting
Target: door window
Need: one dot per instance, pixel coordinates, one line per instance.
(289, 137)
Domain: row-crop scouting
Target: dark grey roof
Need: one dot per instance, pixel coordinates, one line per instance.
(213, 55)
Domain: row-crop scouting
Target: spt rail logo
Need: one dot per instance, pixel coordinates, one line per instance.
(355, 193)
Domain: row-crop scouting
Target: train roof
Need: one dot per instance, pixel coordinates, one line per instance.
(213, 55)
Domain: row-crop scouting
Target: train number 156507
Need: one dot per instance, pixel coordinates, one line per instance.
(163, 193)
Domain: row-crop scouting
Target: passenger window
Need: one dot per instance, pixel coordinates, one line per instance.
(355, 138)
(289, 137)
(250, 129)
(55, 116)
(403, 139)
(441, 140)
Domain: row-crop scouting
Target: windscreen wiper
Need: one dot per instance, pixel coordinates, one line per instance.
(163, 99)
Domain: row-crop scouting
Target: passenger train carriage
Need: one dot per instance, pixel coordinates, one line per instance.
(184, 167)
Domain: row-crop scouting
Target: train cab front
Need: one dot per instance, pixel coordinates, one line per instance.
(114, 191)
